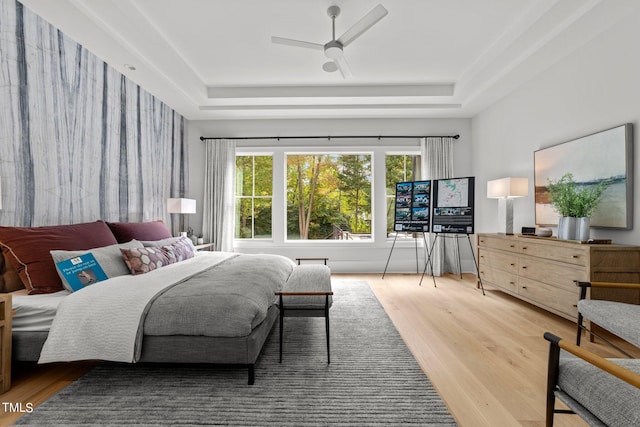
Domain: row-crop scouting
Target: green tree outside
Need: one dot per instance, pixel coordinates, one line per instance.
(328, 195)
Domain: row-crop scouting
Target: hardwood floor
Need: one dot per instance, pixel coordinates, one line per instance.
(484, 354)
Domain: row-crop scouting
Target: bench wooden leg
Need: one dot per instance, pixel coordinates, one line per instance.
(326, 318)
(281, 326)
(252, 373)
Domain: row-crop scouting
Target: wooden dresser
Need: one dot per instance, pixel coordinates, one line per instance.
(543, 271)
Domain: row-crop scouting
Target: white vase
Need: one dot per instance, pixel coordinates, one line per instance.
(583, 228)
(567, 228)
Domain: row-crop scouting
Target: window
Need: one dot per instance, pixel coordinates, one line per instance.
(399, 168)
(254, 176)
(329, 196)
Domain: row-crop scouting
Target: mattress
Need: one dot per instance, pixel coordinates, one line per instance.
(34, 313)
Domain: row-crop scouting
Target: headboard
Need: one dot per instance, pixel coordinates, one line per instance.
(9, 279)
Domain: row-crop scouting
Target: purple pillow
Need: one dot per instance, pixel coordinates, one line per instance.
(180, 250)
(127, 231)
(144, 260)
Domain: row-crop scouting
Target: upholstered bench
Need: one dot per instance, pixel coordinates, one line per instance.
(307, 293)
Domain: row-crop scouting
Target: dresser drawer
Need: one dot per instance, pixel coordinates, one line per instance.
(573, 254)
(502, 279)
(500, 260)
(556, 274)
(504, 244)
(558, 299)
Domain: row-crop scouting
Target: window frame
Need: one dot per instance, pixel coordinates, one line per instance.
(294, 248)
(409, 237)
(310, 151)
(253, 196)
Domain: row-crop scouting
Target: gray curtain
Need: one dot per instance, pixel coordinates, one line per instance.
(218, 217)
(437, 163)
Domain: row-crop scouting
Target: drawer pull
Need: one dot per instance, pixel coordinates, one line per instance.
(512, 283)
(574, 256)
(524, 266)
(524, 287)
(512, 246)
(512, 264)
(524, 248)
(575, 305)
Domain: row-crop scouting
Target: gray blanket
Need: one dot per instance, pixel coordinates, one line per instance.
(227, 301)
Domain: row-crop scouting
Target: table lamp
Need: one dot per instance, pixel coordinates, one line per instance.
(505, 190)
(181, 206)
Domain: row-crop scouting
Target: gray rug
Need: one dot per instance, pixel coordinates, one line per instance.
(372, 380)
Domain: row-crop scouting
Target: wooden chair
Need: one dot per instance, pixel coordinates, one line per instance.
(604, 392)
(621, 319)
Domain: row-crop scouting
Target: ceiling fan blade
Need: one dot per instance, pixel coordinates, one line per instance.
(297, 43)
(367, 21)
(343, 66)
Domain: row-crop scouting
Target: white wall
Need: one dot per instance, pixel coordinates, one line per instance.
(344, 256)
(595, 88)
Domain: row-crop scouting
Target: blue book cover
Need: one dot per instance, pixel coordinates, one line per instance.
(81, 271)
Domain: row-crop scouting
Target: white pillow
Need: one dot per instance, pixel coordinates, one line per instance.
(109, 258)
(162, 242)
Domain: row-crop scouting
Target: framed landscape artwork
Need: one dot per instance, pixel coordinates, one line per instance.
(603, 156)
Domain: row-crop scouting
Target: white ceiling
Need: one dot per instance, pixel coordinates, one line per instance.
(214, 59)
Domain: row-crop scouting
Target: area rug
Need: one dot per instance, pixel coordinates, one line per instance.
(373, 380)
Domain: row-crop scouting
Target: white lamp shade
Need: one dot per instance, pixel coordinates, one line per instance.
(507, 187)
(181, 206)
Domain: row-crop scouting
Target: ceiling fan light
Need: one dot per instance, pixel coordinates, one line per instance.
(333, 50)
(330, 67)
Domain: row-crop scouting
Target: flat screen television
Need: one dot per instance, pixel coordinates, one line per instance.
(412, 206)
(453, 200)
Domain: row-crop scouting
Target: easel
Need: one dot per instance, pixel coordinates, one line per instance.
(430, 262)
(426, 248)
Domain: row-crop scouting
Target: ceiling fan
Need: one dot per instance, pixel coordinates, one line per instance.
(334, 48)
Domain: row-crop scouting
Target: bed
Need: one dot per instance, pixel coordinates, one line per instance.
(201, 307)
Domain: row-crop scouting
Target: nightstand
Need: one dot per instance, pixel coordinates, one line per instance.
(5, 342)
(205, 247)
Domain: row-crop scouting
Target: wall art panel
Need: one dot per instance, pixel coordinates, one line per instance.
(78, 140)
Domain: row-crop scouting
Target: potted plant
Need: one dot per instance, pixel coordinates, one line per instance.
(575, 203)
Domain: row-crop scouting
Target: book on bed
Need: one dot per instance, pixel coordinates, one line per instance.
(81, 271)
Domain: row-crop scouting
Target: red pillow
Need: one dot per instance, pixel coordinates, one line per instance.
(126, 231)
(27, 248)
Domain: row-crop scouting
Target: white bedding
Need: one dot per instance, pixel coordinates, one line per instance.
(34, 313)
(87, 326)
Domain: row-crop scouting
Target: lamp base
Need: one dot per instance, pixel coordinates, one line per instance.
(505, 216)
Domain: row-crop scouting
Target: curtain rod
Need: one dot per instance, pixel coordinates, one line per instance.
(204, 138)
